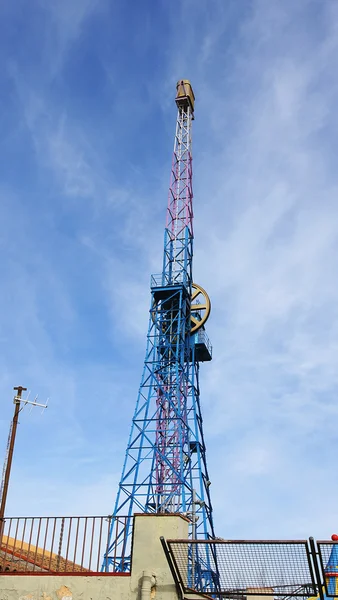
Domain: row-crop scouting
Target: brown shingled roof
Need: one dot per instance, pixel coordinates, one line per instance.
(16, 555)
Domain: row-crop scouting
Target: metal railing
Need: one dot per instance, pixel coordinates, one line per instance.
(65, 545)
(159, 280)
(201, 337)
(239, 569)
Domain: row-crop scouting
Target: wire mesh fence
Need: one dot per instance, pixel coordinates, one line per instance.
(58, 544)
(240, 569)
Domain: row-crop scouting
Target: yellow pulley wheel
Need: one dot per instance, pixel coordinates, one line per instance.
(200, 305)
(200, 308)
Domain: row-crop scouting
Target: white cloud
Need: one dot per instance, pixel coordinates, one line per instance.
(65, 22)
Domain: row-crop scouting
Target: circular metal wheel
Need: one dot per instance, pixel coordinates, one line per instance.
(200, 305)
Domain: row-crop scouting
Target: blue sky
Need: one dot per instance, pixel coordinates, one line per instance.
(87, 123)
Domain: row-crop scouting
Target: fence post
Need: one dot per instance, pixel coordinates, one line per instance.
(60, 544)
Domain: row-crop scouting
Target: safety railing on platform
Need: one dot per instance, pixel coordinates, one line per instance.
(163, 279)
(201, 337)
(240, 569)
(65, 545)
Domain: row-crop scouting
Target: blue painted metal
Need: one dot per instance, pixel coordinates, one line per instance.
(165, 469)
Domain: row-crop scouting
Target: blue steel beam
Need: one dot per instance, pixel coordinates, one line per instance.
(165, 468)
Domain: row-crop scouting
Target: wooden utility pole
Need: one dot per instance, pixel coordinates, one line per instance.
(17, 402)
(10, 450)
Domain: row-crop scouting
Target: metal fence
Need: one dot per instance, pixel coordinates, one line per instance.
(216, 568)
(65, 545)
(201, 337)
(239, 569)
(161, 280)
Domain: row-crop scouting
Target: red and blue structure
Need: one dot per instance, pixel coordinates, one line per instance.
(165, 468)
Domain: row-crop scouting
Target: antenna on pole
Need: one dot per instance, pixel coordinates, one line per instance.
(19, 404)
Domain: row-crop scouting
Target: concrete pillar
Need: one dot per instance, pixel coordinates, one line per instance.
(148, 555)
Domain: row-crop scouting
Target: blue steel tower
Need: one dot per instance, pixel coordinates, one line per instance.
(165, 469)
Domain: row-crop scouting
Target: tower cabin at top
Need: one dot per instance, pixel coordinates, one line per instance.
(185, 95)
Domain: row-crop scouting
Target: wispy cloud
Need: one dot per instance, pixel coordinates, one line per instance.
(64, 23)
(274, 247)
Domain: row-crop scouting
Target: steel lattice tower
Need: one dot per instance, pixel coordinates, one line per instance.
(165, 467)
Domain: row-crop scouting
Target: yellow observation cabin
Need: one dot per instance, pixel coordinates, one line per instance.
(185, 96)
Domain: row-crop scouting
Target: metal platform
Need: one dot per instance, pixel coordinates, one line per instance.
(203, 347)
